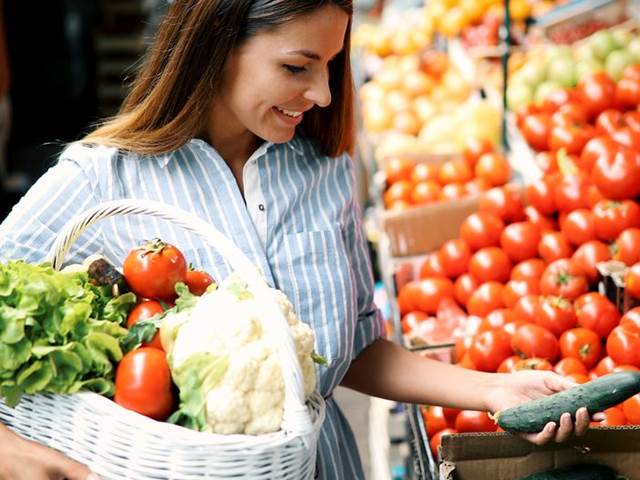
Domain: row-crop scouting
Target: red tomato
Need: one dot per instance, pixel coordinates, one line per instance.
(198, 281)
(623, 346)
(425, 192)
(613, 217)
(432, 266)
(570, 137)
(398, 168)
(481, 229)
(571, 113)
(434, 443)
(536, 129)
(153, 270)
(508, 364)
(540, 194)
(490, 264)
(463, 288)
(609, 121)
(143, 311)
(531, 269)
(454, 256)
(631, 409)
(612, 417)
(399, 191)
(534, 341)
(488, 349)
(632, 119)
(554, 246)
(412, 320)
(564, 279)
(496, 319)
(424, 172)
(520, 240)
(631, 319)
(476, 186)
(514, 290)
(605, 366)
(451, 414)
(632, 281)
(579, 227)
(626, 247)
(408, 297)
(532, 364)
(587, 256)
(596, 312)
(454, 171)
(525, 309)
(435, 420)
(570, 365)
(582, 344)
(504, 202)
(494, 168)
(431, 291)
(628, 92)
(616, 173)
(143, 383)
(474, 421)
(594, 149)
(547, 162)
(572, 192)
(556, 314)
(626, 137)
(597, 93)
(474, 148)
(485, 299)
(452, 191)
(579, 378)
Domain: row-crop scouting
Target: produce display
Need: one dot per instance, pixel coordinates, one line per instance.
(174, 347)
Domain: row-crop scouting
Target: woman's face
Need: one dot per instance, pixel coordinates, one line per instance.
(275, 77)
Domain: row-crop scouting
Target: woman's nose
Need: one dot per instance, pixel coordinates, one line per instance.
(319, 92)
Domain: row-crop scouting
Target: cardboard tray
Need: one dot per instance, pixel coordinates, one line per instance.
(502, 456)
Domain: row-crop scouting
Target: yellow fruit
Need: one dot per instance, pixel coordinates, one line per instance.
(377, 117)
(389, 78)
(381, 44)
(424, 107)
(397, 101)
(519, 10)
(417, 83)
(406, 122)
(453, 21)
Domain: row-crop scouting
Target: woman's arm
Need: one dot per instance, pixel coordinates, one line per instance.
(387, 370)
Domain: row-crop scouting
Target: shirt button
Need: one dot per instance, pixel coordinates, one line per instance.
(261, 207)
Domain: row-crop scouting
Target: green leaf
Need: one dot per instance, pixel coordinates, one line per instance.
(194, 378)
(104, 343)
(141, 332)
(319, 359)
(11, 393)
(12, 356)
(118, 308)
(7, 282)
(101, 386)
(186, 300)
(240, 289)
(12, 323)
(35, 377)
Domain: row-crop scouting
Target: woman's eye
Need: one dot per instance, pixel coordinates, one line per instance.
(294, 68)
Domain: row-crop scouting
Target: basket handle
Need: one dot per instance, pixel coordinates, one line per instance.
(296, 416)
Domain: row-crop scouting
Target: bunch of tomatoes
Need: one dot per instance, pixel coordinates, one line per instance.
(524, 270)
(143, 379)
(414, 183)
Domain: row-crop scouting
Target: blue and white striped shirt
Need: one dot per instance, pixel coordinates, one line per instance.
(299, 222)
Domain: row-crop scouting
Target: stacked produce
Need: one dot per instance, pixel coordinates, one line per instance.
(549, 69)
(413, 182)
(176, 331)
(524, 273)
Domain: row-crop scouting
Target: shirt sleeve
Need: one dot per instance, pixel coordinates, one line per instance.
(65, 190)
(370, 325)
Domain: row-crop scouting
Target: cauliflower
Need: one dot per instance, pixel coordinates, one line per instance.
(226, 367)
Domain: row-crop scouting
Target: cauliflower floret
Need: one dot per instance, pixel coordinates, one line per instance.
(247, 395)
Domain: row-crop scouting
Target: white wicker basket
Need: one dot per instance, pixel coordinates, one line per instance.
(120, 444)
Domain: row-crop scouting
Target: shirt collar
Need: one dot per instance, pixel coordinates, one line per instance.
(294, 144)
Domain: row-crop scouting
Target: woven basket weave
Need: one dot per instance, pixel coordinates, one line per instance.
(120, 444)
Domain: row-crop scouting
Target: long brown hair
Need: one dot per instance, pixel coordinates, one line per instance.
(172, 91)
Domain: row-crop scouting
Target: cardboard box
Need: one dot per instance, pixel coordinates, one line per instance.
(502, 456)
(423, 229)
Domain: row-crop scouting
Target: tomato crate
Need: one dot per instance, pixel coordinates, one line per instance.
(612, 285)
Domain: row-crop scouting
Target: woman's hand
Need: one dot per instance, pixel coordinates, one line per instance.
(516, 388)
(23, 459)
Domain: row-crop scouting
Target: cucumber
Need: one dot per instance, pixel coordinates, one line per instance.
(576, 472)
(597, 395)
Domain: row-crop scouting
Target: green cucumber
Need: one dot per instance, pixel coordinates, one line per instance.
(597, 395)
(576, 472)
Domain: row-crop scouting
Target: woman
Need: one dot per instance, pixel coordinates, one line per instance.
(243, 115)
